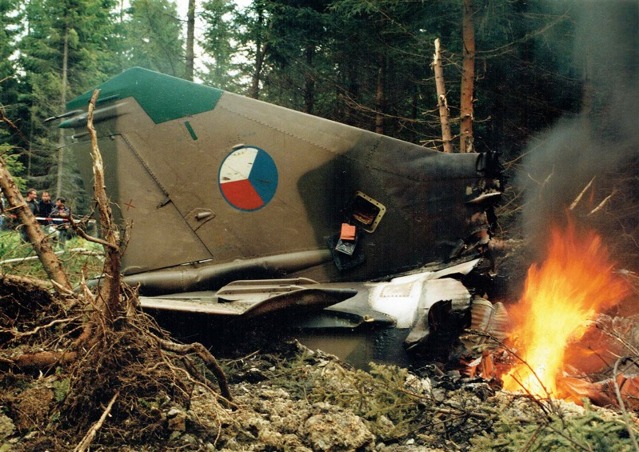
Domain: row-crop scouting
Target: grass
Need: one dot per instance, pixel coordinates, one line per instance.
(78, 257)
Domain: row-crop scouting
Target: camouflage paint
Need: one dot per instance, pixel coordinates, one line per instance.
(193, 232)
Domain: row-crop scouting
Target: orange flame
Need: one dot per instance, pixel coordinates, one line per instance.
(561, 296)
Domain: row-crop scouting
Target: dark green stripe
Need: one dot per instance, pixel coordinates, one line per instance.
(190, 129)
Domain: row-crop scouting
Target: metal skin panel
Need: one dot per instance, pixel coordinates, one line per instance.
(159, 237)
(165, 178)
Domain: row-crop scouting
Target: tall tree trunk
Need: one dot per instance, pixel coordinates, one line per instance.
(351, 93)
(259, 57)
(190, 41)
(468, 79)
(309, 80)
(32, 121)
(587, 90)
(380, 95)
(63, 101)
(442, 102)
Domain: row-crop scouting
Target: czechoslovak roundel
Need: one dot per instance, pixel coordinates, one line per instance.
(248, 178)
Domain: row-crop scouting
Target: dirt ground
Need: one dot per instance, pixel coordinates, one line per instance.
(293, 398)
(127, 395)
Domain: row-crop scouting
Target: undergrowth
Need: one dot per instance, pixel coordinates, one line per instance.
(443, 413)
(78, 257)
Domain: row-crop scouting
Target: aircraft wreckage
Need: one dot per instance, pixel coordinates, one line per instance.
(241, 209)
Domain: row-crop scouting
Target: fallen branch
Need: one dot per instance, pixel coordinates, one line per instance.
(30, 283)
(90, 238)
(18, 260)
(42, 360)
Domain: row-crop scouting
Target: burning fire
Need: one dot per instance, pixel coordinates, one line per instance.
(561, 296)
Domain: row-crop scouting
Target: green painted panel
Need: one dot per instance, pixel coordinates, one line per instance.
(162, 97)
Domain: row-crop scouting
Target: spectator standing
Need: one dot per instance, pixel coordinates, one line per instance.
(45, 206)
(61, 216)
(32, 201)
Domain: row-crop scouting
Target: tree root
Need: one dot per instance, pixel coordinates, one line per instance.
(43, 360)
(88, 438)
(104, 343)
(206, 356)
(25, 282)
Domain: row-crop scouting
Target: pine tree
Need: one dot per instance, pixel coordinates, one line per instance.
(64, 51)
(152, 37)
(218, 41)
(10, 20)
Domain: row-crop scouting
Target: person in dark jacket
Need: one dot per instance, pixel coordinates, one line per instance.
(61, 216)
(32, 200)
(45, 206)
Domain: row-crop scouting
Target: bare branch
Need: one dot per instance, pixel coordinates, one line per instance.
(602, 203)
(581, 194)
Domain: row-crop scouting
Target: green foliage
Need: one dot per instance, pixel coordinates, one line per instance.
(398, 405)
(14, 165)
(589, 431)
(61, 388)
(9, 245)
(60, 55)
(373, 395)
(10, 29)
(380, 396)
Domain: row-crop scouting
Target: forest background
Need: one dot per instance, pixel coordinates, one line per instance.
(366, 63)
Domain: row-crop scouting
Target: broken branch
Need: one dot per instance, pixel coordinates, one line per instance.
(90, 238)
(41, 244)
(602, 204)
(32, 283)
(581, 194)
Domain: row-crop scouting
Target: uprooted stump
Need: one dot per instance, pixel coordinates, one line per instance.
(92, 368)
(133, 369)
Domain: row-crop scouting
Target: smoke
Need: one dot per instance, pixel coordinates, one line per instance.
(604, 138)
